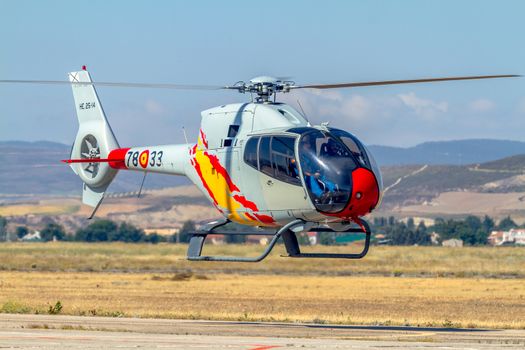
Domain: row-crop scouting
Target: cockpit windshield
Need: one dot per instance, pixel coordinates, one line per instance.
(326, 164)
(353, 144)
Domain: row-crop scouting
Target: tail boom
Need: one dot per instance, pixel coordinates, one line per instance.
(169, 159)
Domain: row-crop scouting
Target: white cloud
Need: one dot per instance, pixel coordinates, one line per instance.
(481, 105)
(423, 107)
(154, 107)
(356, 107)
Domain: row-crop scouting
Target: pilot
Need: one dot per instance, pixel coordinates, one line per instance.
(292, 168)
(310, 169)
(331, 152)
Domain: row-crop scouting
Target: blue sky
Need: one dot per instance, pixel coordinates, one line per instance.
(221, 42)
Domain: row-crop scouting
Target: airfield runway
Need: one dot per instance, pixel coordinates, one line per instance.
(75, 332)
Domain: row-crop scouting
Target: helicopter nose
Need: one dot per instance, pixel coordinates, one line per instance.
(365, 192)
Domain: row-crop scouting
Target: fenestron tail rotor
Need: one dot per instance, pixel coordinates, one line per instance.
(89, 150)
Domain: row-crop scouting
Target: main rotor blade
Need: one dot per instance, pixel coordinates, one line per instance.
(131, 85)
(394, 82)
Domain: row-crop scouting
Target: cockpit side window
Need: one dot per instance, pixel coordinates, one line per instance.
(283, 159)
(265, 160)
(274, 156)
(250, 152)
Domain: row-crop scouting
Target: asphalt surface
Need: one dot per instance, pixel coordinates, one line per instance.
(74, 332)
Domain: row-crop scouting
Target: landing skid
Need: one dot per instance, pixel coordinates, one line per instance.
(287, 232)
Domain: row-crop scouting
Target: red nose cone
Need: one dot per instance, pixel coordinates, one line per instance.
(365, 195)
(365, 192)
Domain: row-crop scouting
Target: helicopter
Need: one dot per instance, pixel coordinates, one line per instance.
(260, 163)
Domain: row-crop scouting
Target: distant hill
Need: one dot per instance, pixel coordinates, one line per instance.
(411, 184)
(448, 152)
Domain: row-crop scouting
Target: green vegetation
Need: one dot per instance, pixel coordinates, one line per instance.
(13, 307)
(184, 233)
(52, 231)
(472, 230)
(21, 231)
(399, 233)
(109, 231)
(506, 224)
(3, 231)
(55, 309)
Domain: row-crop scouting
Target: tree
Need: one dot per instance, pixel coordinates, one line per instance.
(21, 231)
(154, 238)
(472, 231)
(3, 230)
(400, 233)
(506, 224)
(326, 238)
(411, 225)
(422, 237)
(184, 232)
(52, 231)
(128, 233)
(488, 224)
(99, 231)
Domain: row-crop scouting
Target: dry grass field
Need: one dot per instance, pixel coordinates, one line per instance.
(505, 262)
(442, 302)
(418, 286)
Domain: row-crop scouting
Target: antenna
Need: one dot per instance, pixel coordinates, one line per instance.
(185, 136)
(302, 110)
(142, 184)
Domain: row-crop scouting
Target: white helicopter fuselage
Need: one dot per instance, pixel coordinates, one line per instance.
(219, 165)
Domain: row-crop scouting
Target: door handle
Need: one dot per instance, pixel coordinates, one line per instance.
(269, 182)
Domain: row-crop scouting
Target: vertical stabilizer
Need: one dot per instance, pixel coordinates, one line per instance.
(94, 139)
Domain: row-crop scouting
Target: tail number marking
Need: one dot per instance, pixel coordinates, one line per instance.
(136, 158)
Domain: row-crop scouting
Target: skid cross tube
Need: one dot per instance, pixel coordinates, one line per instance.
(197, 241)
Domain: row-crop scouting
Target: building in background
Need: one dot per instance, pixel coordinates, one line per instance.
(512, 236)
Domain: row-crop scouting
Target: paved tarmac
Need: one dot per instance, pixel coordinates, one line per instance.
(75, 332)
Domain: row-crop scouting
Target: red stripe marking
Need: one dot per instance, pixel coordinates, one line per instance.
(267, 219)
(203, 138)
(250, 216)
(245, 203)
(220, 169)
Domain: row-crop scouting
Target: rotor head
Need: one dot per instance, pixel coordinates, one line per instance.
(264, 87)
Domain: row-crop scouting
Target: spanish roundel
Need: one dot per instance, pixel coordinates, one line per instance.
(143, 159)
